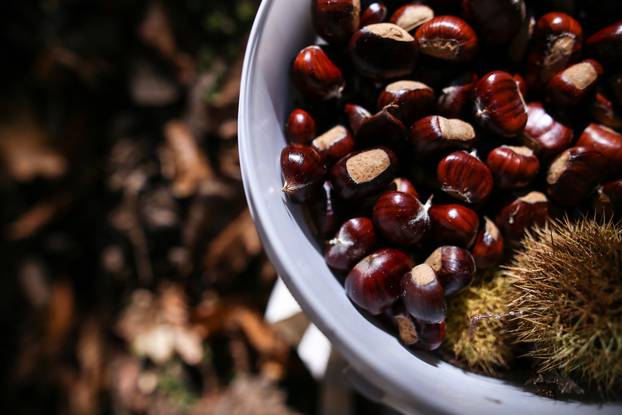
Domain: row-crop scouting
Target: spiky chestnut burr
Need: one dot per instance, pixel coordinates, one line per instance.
(567, 280)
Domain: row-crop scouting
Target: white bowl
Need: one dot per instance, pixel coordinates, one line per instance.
(409, 382)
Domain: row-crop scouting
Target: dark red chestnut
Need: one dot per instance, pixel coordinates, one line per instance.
(354, 241)
(606, 141)
(574, 83)
(488, 248)
(363, 173)
(499, 105)
(448, 38)
(401, 184)
(609, 197)
(374, 13)
(382, 128)
(497, 21)
(334, 143)
(453, 224)
(545, 136)
(513, 167)
(412, 15)
(521, 214)
(401, 218)
(356, 116)
(465, 177)
(315, 75)
(431, 336)
(424, 296)
(433, 135)
(454, 267)
(604, 112)
(374, 284)
(408, 100)
(606, 44)
(300, 127)
(383, 51)
(326, 211)
(303, 172)
(336, 20)
(455, 100)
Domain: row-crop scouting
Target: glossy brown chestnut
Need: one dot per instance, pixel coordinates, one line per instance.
(433, 135)
(609, 197)
(300, 127)
(431, 336)
(496, 21)
(401, 218)
(465, 177)
(326, 211)
(455, 99)
(604, 112)
(574, 83)
(513, 167)
(382, 128)
(383, 51)
(545, 136)
(401, 184)
(412, 15)
(424, 296)
(448, 38)
(453, 224)
(374, 13)
(315, 75)
(454, 267)
(374, 284)
(336, 20)
(606, 141)
(363, 173)
(521, 214)
(499, 105)
(334, 143)
(354, 240)
(408, 100)
(606, 44)
(356, 115)
(303, 172)
(488, 248)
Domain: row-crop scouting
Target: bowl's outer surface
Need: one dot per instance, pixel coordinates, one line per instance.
(411, 383)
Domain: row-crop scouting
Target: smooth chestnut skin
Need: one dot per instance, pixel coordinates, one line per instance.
(356, 115)
(300, 127)
(454, 267)
(408, 100)
(401, 184)
(455, 99)
(383, 51)
(496, 21)
(432, 135)
(334, 144)
(447, 38)
(603, 111)
(382, 128)
(355, 239)
(543, 134)
(424, 296)
(401, 218)
(609, 197)
(453, 224)
(412, 15)
(606, 44)
(315, 75)
(374, 283)
(488, 248)
(499, 105)
(465, 177)
(363, 173)
(336, 20)
(431, 336)
(374, 13)
(513, 167)
(303, 172)
(521, 214)
(326, 211)
(569, 86)
(606, 141)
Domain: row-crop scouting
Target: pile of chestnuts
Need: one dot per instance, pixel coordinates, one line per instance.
(429, 136)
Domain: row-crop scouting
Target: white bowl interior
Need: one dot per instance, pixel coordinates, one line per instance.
(411, 383)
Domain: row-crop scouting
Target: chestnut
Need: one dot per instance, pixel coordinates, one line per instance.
(545, 136)
(606, 141)
(455, 99)
(431, 335)
(454, 267)
(326, 211)
(363, 173)
(334, 143)
(401, 218)
(572, 84)
(405, 324)
(354, 240)
(303, 170)
(408, 100)
(424, 296)
(603, 111)
(519, 44)
(606, 44)
(521, 214)
(465, 177)
(412, 15)
(336, 20)
(513, 167)
(383, 51)
(315, 75)
(453, 224)
(448, 38)
(374, 13)
(499, 105)
(434, 134)
(382, 128)
(300, 127)
(497, 21)
(609, 197)
(401, 184)
(356, 115)
(374, 283)
(488, 248)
